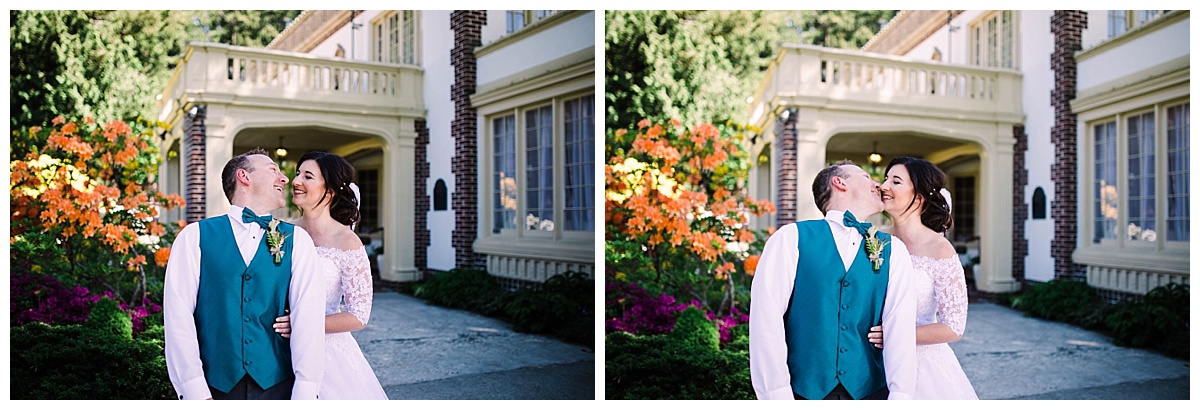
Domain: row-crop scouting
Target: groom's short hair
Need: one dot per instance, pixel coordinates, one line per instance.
(229, 174)
(822, 185)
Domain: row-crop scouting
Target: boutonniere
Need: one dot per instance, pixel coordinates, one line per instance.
(275, 240)
(874, 248)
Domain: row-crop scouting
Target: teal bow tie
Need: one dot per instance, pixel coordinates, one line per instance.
(849, 221)
(249, 216)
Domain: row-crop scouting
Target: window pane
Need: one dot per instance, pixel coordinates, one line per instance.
(410, 37)
(578, 117)
(393, 38)
(1105, 199)
(504, 209)
(539, 169)
(515, 20)
(1178, 175)
(1116, 22)
(1006, 52)
(1140, 132)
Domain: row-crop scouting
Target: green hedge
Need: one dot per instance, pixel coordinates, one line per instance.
(1066, 301)
(563, 307)
(97, 360)
(1161, 321)
(685, 364)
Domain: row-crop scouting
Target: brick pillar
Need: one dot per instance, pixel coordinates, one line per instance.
(195, 170)
(1020, 207)
(787, 175)
(1067, 27)
(466, 25)
(421, 219)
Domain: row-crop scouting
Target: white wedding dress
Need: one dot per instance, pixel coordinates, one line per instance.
(941, 297)
(348, 376)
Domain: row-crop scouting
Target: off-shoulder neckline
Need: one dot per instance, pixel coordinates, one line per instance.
(930, 258)
(363, 248)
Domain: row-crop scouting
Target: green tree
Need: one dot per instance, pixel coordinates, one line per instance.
(111, 63)
(701, 66)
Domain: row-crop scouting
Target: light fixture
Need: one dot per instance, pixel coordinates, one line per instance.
(875, 158)
(281, 152)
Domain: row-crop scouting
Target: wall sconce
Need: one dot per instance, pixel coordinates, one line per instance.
(875, 158)
(281, 152)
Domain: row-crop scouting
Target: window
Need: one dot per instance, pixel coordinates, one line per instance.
(539, 169)
(1039, 203)
(368, 185)
(1178, 174)
(504, 173)
(1140, 138)
(993, 40)
(395, 38)
(964, 209)
(1120, 21)
(439, 195)
(580, 131)
(518, 19)
(557, 186)
(1141, 176)
(1105, 196)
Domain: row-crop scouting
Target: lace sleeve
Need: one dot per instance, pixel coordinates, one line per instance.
(950, 289)
(356, 284)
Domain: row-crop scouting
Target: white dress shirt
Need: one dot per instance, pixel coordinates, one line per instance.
(306, 298)
(772, 289)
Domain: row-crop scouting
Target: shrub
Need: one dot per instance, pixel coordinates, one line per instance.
(98, 359)
(563, 307)
(629, 308)
(45, 299)
(1161, 321)
(85, 207)
(1062, 300)
(682, 365)
(466, 289)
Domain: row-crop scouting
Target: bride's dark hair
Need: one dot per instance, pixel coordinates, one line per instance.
(338, 174)
(928, 181)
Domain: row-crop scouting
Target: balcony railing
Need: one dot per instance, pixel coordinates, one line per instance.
(225, 73)
(803, 74)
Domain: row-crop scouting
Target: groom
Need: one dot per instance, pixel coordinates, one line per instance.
(820, 285)
(228, 278)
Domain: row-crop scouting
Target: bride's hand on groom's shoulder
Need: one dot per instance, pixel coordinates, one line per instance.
(875, 336)
(283, 326)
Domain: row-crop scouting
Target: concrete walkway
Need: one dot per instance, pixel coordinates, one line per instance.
(1009, 356)
(422, 351)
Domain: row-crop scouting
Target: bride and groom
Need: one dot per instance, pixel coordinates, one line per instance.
(827, 291)
(252, 306)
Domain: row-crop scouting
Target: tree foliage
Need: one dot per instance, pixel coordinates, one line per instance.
(111, 63)
(701, 66)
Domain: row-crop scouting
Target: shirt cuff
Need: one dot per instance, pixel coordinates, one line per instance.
(304, 390)
(195, 389)
(899, 396)
(782, 393)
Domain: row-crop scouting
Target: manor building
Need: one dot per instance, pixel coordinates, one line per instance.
(1064, 134)
(472, 132)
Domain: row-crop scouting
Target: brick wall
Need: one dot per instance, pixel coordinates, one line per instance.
(466, 25)
(421, 219)
(1067, 27)
(195, 170)
(785, 194)
(1020, 207)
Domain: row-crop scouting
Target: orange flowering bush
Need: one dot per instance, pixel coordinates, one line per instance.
(677, 213)
(85, 207)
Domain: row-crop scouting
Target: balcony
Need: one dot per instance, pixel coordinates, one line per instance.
(241, 76)
(804, 75)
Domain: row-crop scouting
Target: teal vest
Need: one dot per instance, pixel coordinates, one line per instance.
(236, 307)
(829, 315)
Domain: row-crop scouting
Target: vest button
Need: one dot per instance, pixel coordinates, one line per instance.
(844, 327)
(246, 276)
(844, 307)
(247, 298)
(247, 320)
(845, 283)
(247, 341)
(248, 362)
(841, 372)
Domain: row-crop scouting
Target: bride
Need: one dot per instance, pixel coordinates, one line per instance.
(915, 197)
(328, 201)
